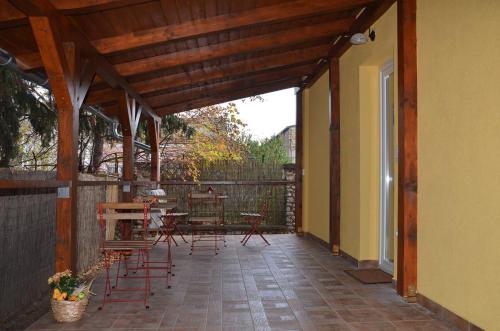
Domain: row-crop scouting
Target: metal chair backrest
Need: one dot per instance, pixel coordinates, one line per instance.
(122, 211)
(204, 204)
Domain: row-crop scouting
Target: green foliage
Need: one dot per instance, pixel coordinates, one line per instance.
(66, 284)
(206, 134)
(20, 100)
(269, 150)
(172, 124)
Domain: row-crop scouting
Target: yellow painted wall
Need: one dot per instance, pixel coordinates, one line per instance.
(459, 157)
(359, 134)
(317, 159)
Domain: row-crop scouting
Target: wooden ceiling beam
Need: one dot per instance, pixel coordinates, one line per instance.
(197, 28)
(69, 7)
(365, 21)
(234, 69)
(235, 47)
(244, 45)
(11, 16)
(70, 33)
(226, 86)
(227, 97)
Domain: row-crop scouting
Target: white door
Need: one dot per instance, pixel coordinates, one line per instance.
(387, 160)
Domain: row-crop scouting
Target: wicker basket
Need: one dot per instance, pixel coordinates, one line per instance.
(68, 311)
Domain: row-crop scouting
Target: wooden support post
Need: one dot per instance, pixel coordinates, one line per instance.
(299, 152)
(154, 142)
(128, 115)
(407, 171)
(334, 156)
(70, 76)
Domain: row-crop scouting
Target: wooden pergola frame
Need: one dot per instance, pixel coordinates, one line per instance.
(198, 60)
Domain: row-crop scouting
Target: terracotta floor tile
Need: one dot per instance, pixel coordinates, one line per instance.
(421, 326)
(404, 314)
(373, 326)
(361, 315)
(294, 284)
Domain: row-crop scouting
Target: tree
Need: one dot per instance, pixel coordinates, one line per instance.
(215, 134)
(269, 150)
(23, 103)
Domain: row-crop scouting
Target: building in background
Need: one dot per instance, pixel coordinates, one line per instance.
(287, 137)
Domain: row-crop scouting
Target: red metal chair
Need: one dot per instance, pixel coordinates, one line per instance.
(174, 218)
(205, 217)
(123, 249)
(255, 220)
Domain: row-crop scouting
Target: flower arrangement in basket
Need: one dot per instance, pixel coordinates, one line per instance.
(70, 295)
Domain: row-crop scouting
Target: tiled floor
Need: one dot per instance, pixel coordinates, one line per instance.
(294, 284)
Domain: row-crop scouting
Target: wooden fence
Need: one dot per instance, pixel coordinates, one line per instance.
(28, 235)
(247, 185)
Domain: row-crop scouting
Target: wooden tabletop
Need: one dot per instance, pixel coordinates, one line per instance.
(176, 214)
(205, 196)
(164, 205)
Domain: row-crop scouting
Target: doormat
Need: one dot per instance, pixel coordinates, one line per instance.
(370, 276)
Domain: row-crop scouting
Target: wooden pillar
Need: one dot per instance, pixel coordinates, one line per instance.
(334, 156)
(128, 168)
(128, 115)
(299, 152)
(154, 142)
(70, 76)
(407, 136)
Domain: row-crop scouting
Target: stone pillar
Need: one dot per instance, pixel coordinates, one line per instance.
(289, 175)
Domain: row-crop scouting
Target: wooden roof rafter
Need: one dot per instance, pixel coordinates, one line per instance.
(220, 23)
(228, 71)
(168, 50)
(369, 15)
(254, 43)
(275, 40)
(71, 34)
(224, 86)
(228, 96)
(10, 15)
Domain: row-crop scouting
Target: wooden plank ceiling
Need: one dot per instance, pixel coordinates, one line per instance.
(178, 54)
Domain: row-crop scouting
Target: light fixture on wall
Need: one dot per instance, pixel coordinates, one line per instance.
(360, 38)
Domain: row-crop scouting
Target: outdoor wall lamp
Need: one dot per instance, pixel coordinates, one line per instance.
(360, 38)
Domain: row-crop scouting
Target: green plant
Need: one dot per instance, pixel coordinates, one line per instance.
(67, 287)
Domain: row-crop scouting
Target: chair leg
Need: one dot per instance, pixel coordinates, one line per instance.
(169, 261)
(126, 257)
(118, 270)
(246, 235)
(215, 241)
(176, 229)
(252, 231)
(262, 236)
(107, 284)
(159, 237)
(170, 236)
(192, 241)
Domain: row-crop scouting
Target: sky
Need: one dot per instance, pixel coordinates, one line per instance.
(267, 118)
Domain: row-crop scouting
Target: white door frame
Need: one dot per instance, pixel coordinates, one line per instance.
(386, 178)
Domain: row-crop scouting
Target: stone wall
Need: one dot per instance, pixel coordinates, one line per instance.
(289, 175)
